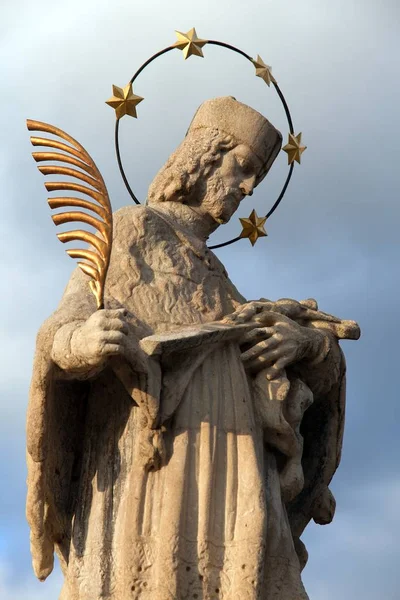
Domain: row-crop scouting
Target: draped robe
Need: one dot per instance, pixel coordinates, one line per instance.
(212, 521)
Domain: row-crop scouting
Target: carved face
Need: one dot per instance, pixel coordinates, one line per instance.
(232, 180)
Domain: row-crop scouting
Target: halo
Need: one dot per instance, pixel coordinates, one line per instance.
(124, 102)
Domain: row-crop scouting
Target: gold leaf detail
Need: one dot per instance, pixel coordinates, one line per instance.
(84, 236)
(88, 255)
(68, 217)
(72, 153)
(55, 186)
(56, 170)
(58, 156)
(39, 141)
(89, 270)
(79, 202)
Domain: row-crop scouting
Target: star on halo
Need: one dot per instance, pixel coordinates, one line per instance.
(189, 43)
(253, 227)
(264, 71)
(294, 148)
(124, 101)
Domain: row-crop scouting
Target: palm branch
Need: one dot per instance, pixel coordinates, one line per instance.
(97, 258)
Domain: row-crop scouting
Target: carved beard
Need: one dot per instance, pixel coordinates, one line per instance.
(220, 201)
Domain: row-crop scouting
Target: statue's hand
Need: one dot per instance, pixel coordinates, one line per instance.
(280, 344)
(105, 337)
(255, 310)
(104, 334)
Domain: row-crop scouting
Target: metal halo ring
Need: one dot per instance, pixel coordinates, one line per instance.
(285, 106)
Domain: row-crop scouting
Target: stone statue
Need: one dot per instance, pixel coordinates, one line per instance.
(181, 439)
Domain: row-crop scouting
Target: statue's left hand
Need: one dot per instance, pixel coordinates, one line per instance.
(280, 344)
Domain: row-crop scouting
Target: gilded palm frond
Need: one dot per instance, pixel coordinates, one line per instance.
(95, 260)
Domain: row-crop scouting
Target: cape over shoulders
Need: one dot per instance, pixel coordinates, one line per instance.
(143, 224)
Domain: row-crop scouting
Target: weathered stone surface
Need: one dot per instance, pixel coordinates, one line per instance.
(164, 447)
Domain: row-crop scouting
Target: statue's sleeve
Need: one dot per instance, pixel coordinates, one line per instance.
(55, 422)
(322, 431)
(56, 413)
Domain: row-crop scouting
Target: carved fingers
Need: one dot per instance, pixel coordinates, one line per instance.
(105, 333)
(250, 338)
(247, 312)
(266, 351)
(115, 324)
(281, 343)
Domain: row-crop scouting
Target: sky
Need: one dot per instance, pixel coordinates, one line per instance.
(334, 237)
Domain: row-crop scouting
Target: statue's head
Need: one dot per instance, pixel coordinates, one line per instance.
(227, 151)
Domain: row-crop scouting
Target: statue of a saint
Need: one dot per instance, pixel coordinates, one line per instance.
(180, 440)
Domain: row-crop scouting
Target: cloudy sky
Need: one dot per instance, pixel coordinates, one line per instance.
(335, 236)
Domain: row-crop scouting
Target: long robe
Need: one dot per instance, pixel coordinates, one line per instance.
(212, 521)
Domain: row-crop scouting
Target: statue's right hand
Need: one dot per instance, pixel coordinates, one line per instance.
(104, 334)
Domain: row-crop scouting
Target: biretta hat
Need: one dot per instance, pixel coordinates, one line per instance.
(244, 124)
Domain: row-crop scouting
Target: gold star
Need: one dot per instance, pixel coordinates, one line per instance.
(124, 101)
(189, 43)
(263, 70)
(294, 148)
(253, 227)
